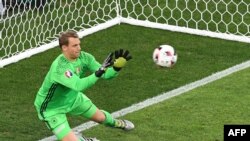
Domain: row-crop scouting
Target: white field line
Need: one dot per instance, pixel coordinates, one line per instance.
(162, 97)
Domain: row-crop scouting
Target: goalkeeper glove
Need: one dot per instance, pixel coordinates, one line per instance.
(106, 63)
(121, 59)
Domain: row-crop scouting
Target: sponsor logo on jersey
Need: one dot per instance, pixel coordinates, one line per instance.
(78, 70)
(68, 74)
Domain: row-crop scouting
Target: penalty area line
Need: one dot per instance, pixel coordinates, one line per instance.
(162, 97)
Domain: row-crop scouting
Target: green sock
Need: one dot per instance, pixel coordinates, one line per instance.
(109, 121)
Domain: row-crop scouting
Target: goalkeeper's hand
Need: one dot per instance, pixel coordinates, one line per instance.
(106, 63)
(121, 58)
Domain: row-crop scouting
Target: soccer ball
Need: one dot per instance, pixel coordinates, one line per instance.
(165, 56)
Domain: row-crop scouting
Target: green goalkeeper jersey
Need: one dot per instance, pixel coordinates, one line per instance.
(64, 81)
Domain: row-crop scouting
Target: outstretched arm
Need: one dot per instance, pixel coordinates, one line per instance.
(68, 78)
(72, 81)
(109, 72)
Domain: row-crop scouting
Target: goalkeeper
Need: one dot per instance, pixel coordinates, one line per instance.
(60, 93)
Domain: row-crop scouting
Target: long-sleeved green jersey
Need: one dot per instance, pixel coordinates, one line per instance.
(64, 81)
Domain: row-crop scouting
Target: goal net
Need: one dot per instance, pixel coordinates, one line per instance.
(29, 27)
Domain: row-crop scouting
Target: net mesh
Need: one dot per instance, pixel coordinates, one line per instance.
(227, 16)
(28, 24)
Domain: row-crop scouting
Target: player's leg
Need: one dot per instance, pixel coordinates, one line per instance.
(87, 109)
(59, 125)
(106, 118)
(70, 137)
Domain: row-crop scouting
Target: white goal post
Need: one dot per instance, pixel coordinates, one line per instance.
(28, 27)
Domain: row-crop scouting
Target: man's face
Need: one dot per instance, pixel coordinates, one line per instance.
(73, 49)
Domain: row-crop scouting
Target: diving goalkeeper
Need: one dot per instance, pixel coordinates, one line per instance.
(61, 91)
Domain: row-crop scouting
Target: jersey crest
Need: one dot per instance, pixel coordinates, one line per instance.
(78, 70)
(68, 74)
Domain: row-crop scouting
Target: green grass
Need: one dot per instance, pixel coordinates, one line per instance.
(198, 57)
(198, 115)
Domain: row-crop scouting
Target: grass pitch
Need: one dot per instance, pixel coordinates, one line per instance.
(198, 115)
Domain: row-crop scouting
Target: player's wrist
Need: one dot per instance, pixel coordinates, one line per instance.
(100, 72)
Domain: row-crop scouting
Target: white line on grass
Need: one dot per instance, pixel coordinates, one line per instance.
(162, 97)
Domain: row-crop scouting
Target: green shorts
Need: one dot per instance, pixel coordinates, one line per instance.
(58, 123)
